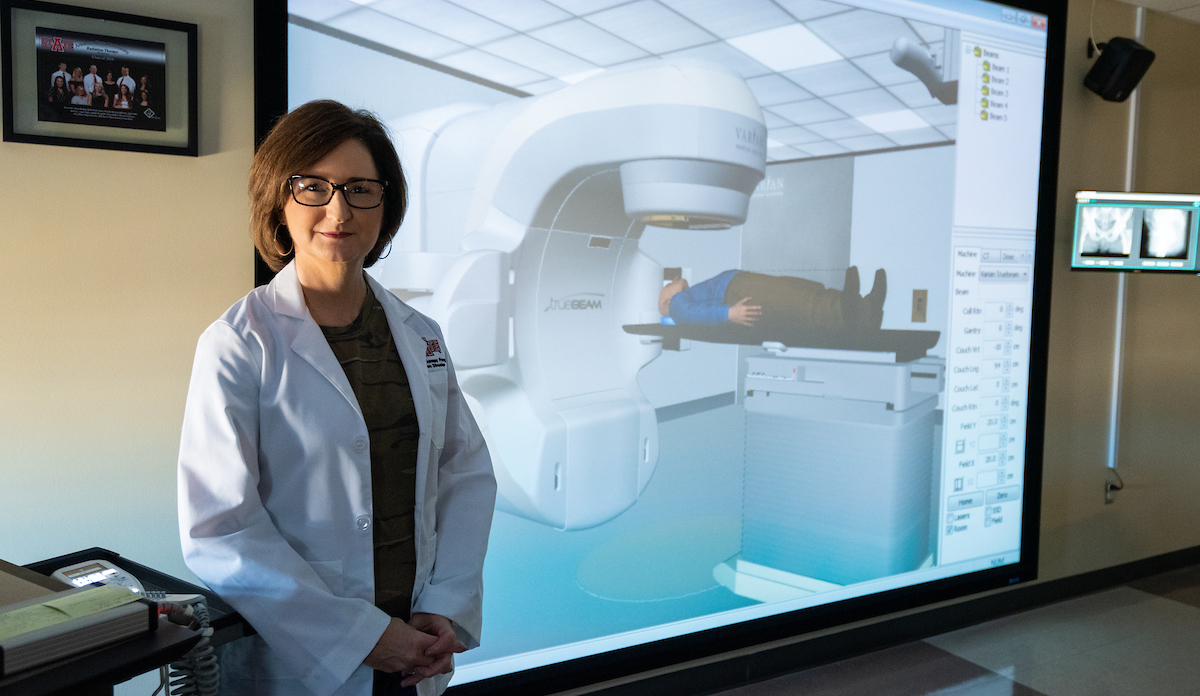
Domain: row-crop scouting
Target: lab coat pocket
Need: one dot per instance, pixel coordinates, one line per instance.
(331, 573)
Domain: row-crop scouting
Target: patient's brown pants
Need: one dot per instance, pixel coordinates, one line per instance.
(788, 304)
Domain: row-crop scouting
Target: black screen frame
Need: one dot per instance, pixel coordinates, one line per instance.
(271, 28)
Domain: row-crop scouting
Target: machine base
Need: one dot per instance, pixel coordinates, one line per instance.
(763, 584)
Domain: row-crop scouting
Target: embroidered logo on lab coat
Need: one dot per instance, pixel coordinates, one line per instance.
(434, 357)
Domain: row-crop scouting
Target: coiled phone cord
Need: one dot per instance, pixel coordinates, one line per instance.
(197, 673)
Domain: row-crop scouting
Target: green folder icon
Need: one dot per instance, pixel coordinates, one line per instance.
(987, 77)
(983, 102)
(987, 65)
(978, 52)
(985, 89)
(983, 115)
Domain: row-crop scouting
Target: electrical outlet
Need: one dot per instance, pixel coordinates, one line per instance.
(920, 305)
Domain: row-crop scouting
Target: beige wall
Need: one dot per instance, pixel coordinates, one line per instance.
(1160, 427)
(112, 263)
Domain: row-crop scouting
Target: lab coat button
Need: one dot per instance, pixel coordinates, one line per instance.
(363, 522)
(360, 443)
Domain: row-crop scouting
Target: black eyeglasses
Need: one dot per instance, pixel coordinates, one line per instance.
(314, 191)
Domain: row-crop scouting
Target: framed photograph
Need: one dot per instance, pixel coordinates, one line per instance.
(83, 77)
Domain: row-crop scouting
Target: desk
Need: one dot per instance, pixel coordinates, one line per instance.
(93, 673)
(226, 623)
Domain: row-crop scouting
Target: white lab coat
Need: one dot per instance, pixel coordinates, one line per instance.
(275, 494)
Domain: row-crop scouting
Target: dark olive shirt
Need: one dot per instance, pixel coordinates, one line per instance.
(368, 355)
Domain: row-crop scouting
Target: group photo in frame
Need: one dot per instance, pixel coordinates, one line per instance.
(84, 77)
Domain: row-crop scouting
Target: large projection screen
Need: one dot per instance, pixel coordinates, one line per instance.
(673, 487)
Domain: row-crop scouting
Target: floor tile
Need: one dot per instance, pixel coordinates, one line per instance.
(1163, 666)
(914, 669)
(988, 686)
(1139, 639)
(1050, 634)
(1121, 641)
(1181, 585)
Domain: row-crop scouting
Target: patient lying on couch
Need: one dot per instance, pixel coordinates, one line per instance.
(775, 303)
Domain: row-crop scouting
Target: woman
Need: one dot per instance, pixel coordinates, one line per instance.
(343, 509)
(99, 96)
(76, 81)
(110, 85)
(122, 99)
(143, 91)
(58, 94)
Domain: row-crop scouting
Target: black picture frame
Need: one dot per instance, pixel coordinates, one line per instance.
(161, 117)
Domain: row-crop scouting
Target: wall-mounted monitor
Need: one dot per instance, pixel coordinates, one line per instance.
(1136, 232)
(877, 175)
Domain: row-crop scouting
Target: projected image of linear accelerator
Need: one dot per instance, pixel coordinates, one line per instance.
(544, 232)
(663, 473)
(530, 248)
(542, 253)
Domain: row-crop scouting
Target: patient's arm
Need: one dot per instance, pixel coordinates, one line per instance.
(688, 309)
(744, 313)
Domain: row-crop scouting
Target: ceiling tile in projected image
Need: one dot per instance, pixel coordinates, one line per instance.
(715, 16)
(812, 63)
(589, 42)
(445, 18)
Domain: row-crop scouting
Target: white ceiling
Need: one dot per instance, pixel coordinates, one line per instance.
(819, 69)
(1184, 9)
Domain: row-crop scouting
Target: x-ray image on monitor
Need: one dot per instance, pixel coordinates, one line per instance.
(1105, 231)
(1165, 233)
(1165, 222)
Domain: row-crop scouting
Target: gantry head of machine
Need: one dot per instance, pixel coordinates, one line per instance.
(524, 228)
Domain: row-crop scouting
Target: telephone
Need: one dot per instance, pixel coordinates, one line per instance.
(99, 570)
(88, 572)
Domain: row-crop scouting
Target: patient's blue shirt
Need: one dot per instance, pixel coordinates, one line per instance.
(704, 302)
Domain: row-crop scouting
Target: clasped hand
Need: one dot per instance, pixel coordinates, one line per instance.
(422, 648)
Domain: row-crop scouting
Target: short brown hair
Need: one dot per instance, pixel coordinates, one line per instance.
(301, 139)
